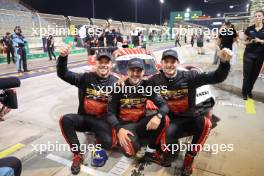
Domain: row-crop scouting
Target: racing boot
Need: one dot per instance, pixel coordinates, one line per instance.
(157, 158)
(77, 160)
(188, 167)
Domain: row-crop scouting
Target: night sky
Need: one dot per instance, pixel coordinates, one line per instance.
(124, 10)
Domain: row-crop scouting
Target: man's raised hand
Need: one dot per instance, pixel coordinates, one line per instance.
(65, 50)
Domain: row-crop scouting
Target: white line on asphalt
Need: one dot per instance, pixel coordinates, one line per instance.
(120, 167)
(84, 169)
(230, 104)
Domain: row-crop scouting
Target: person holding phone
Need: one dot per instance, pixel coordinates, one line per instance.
(253, 55)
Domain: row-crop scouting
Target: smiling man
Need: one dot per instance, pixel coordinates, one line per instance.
(180, 96)
(92, 107)
(127, 114)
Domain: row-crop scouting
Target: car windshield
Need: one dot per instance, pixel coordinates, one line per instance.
(149, 64)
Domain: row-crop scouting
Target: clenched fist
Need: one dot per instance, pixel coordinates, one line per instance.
(65, 50)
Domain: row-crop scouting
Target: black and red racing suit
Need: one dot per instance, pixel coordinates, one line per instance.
(92, 106)
(128, 110)
(181, 97)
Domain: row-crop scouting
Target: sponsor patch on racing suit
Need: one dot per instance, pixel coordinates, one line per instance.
(92, 96)
(181, 89)
(131, 107)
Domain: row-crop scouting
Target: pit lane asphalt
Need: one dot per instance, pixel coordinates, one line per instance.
(44, 98)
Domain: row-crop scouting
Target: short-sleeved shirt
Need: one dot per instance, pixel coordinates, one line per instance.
(227, 38)
(255, 48)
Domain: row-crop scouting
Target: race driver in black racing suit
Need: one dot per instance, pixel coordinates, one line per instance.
(181, 95)
(127, 114)
(92, 105)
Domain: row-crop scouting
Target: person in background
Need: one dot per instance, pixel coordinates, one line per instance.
(177, 40)
(192, 40)
(50, 47)
(8, 44)
(19, 42)
(253, 55)
(227, 36)
(151, 37)
(100, 39)
(135, 36)
(89, 43)
(119, 39)
(200, 43)
(110, 38)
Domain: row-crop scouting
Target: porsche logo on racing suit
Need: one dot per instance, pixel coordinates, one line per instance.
(132, 109)
(95, 102)
(177, 100)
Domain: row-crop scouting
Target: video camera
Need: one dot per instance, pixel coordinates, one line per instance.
(8, 96)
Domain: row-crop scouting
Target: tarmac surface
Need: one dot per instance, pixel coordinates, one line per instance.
(32, 132)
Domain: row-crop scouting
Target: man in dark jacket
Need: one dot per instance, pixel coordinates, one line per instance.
(127, 114)
(181, 95)
(92, 105)
(50, 47)
(8, 44)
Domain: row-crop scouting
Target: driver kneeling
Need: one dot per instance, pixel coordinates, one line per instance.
(181, 97)
(92, 108)
(127, 114)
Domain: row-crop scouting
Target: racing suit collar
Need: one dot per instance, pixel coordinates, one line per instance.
(127, 82)
(169, 78)
(101, 78)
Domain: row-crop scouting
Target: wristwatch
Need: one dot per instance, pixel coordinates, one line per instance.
(159, 115)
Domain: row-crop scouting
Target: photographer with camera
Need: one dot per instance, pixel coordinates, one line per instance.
(253, 55)
(19, 42)
(8, 98)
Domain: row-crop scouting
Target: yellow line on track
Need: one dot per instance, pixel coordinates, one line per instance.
(250, 106)
(11, 150)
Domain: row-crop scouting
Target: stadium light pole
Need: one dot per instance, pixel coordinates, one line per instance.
(136, 11)
(93, 8)
(161, 4)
